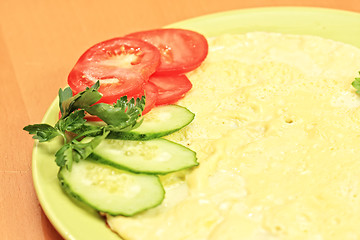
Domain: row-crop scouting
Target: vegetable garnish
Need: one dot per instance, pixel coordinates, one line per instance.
(104, 173)
(128, 65)
(170, 88)
(122, 66)
(181, 50)
(124, 115)
(356, 84)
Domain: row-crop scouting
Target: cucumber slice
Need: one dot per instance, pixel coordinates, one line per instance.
(160, 121)
(111, 190)
(156, 156)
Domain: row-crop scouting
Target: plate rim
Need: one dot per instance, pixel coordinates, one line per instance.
(267, 8)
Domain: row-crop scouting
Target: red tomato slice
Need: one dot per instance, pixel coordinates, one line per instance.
(151, 94)
(181, 50)
(122, 65)
(170, 88)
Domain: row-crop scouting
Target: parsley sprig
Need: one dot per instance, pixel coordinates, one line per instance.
(356, 84)
(124, 115)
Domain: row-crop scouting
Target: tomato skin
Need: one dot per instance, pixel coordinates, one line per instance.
(151, 96)
(170, 88)
(181, 50)
(122, 65)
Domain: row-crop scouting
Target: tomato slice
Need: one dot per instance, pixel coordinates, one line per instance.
(151, 94)
(181, 50)
(122, 65)
(170, 88)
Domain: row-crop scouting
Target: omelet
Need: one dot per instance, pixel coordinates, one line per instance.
(277, 133)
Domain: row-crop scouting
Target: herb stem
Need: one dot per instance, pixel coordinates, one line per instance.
(63, 136)
(87, 133)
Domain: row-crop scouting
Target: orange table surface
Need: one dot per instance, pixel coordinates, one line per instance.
(39, 43)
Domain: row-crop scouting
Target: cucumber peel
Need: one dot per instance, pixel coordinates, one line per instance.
(159, 122)
(111, 190)
(156, 156)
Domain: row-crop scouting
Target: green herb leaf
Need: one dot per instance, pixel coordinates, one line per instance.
(121, 128)
(75, 151)
(74, 121)
(42, 132)
(356, 84)
(63, 96)
(64, 156)
(89, 130)
(84, 149)
(123, 114)
(81, 100)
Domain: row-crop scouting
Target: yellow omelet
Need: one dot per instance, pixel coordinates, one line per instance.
(277, 136)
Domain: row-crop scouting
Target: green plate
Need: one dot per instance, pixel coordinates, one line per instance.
(74, 221)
